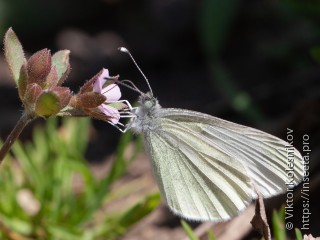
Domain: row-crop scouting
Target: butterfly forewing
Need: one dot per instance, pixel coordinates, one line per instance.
(265, 156)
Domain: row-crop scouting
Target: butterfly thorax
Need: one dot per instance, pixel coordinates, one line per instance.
(147, 114)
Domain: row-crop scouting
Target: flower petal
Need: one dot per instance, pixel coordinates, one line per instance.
(110, 112)
(97, 86)
(112, 93)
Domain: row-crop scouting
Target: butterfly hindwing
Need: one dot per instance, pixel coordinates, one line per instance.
(197, 180)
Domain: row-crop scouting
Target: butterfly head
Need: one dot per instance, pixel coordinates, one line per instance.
(147, 101)
(149, 105)
(146, 115)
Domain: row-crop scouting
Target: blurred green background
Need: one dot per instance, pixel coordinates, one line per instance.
(251, 62)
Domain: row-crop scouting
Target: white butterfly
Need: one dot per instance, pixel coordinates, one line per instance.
(206, 167)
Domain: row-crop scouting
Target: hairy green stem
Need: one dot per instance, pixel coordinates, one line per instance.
(23, 121)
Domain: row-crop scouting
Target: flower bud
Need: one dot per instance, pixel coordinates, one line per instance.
(33, 91)
(39, 66)
(90, 100)
(64, 95)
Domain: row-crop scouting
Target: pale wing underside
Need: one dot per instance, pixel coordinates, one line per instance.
(267, 158)
(197, 180)
(205, 166)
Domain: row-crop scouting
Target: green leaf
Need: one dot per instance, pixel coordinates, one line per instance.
(47, 105)
(14, 54)
(188, 231)
(278, 225)
(140, 210)
(298, 234)
(61, 61)
(8, 204)
(49, 167)
(33, 176)
(211, 235)
(118, 168)
(77, 135)
(63, 232)
(16, 224)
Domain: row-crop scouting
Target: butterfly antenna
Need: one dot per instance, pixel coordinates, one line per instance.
(123, 49)
(131, 86)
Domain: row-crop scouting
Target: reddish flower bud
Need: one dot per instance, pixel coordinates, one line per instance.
(39, 66)
(33, 91)
(90, 100)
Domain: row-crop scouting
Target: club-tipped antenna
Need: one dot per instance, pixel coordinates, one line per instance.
(123, 49)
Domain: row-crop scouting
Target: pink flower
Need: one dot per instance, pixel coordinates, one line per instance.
(111, 92)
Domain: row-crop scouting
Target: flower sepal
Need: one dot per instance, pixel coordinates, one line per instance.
(47, 104)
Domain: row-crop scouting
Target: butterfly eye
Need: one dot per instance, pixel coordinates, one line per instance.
(148, 104)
